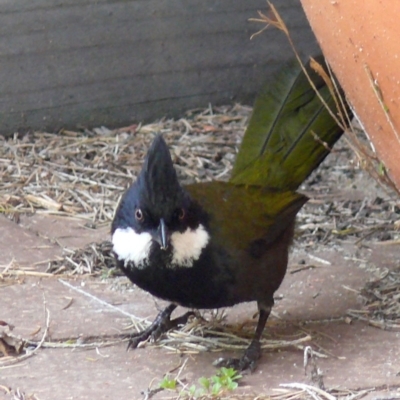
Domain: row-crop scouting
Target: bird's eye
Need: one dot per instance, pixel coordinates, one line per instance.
(139, 215)
(181, 213)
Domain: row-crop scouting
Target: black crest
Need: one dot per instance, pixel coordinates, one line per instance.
(158, 183)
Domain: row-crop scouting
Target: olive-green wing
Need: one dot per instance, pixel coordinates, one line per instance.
(242, 214)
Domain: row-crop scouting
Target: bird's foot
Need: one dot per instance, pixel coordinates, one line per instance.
(160, 325)
(247, 362)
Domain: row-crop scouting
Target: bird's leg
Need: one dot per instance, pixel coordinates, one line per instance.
(253, 352)
(160, 325)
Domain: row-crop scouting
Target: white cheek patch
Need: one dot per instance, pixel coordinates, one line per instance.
(187, 246)
(132, 246)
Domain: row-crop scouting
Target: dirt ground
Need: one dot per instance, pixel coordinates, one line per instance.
(73, 324)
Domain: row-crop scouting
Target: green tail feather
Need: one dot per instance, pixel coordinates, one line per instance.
(278, 149)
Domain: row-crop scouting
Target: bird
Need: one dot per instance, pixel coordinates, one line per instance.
(216, 244)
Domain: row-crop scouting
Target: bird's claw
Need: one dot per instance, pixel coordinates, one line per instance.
(160, 325)
(139, 337)
(247, 362)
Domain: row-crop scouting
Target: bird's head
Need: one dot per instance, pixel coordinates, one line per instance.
(157, 216)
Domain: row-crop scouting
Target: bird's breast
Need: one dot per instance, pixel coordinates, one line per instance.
(201, 283)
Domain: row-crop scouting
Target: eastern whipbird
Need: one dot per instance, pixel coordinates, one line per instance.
(217, 244)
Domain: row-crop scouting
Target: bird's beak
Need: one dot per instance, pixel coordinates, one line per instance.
(161, 235)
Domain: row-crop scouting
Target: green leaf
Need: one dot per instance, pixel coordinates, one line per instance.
(192, 390)
(168, 383)
(381, 169)
(216, 388)
(204, 382)
(233, 386)
(215, 378)
(226, 371)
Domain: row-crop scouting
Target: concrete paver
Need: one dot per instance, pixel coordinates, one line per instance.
(64, 231)
(27, 248)
(311, 299)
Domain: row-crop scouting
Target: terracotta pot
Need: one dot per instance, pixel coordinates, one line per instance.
(361, 41)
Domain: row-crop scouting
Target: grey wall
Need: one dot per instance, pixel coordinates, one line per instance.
(71, 63)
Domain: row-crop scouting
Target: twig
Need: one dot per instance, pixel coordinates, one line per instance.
(104, 303)
(377, 91)
(311, 390)
(319, 259)
(67, 345)
(38, 346)
(316, 373)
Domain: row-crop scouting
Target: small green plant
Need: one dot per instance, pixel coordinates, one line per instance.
(167, 383)
(109, 273)
(225, 380)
